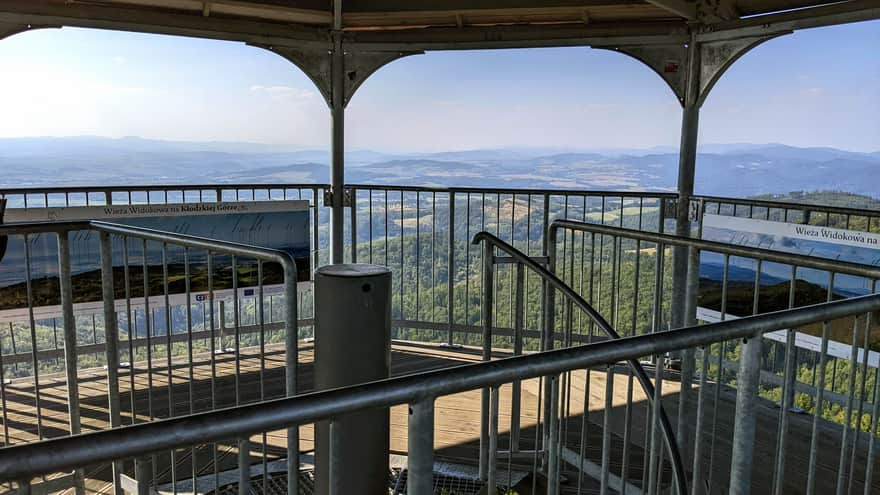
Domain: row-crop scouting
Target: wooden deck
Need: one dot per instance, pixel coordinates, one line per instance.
(456, 419)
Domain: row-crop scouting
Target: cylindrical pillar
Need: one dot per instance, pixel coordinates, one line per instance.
(352, 346)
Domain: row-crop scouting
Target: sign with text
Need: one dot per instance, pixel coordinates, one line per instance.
(281, 225)
(775, 279)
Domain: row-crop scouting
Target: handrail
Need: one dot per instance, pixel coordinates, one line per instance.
(782, 205)
(645, 382)
(489, 190)
(61, 454)
(844, 267)
(238, 249)
(155, 187)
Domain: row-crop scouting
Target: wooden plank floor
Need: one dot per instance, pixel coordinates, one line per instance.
(152, 395)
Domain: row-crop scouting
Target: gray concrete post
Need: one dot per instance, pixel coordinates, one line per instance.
(352, 346)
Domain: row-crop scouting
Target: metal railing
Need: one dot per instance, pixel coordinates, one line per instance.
(791, 212)
(552, 284)
(167, 265)
(422, 234)
(624, 275)
(22, 464)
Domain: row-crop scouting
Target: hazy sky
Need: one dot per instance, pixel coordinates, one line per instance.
(813, 88)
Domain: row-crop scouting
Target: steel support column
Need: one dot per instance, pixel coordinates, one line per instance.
(684, 294)
(337, 155)
(337, 74)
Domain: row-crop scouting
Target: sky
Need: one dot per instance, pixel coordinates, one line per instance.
(817, 87)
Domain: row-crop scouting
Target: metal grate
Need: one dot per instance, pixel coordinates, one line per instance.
(276, 484)
(443, 484)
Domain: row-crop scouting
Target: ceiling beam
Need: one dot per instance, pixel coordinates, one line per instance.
(827, 15)
(41, 12)
(681, 8)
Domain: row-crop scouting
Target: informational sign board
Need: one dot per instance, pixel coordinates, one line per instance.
(281, 225)
(775, 280)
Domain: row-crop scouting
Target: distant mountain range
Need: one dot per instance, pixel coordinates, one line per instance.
(722, 169)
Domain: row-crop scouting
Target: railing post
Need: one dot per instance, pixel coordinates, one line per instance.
(291, 361)
(244, 467)
(420, 451)
(487, 304)
(518, 326)
(111, 339)
(70, 360)
(552, 446)
(548, 321)
(142, 474)
(747, 384)
(491, 478)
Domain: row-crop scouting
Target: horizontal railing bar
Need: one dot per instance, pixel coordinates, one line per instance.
(799, 260)
(227, 247)
(782, 205)
(24, 357)
(490, 190)
(57, 455)
(156, 187)
(508, 260)
(498, 190)
(212, 245)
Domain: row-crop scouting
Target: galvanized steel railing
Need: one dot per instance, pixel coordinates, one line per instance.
(630, 291)
(552, 284)
(194, 254)
(22, 464)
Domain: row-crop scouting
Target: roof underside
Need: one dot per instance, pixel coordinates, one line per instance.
(434, 24)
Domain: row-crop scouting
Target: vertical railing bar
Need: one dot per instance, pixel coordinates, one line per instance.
(875, 416)
(627, 426)
(168, 348)
(553, 448)
(433, 255)
(492, 480)
(787, 392)
(262, 324)
(401, 278)
(486, 310)
(539, 434)
(35, 362)
(3, 396)
(354, 238)
(862, 392)
(720, 365)
(467, 258)
(70, 358)
(418, 251)
(606, 431)
(316, 231)
(189, 356)
(236, 321)
(111, 339)
(450, 271)
(420, 448)
(847, 425)
(698, 427)
(516, 391)
(131, 320)
(213, 350)
(370, 220)
(820, 390)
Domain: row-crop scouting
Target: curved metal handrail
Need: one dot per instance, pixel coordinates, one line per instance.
(645, 382)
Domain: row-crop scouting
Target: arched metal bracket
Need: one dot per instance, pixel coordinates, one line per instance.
(667, 61)
(717, 56)
(316, 63)
(670, 62)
